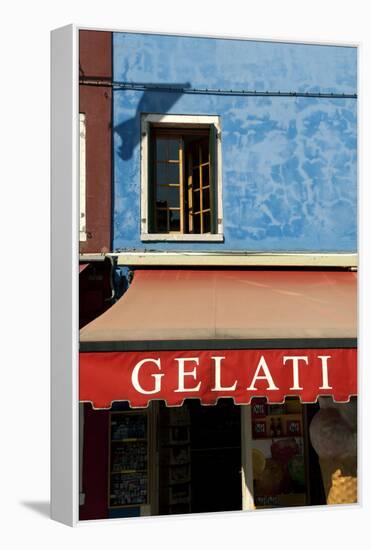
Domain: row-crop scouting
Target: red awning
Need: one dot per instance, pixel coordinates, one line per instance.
(223, 333)
(82, 267)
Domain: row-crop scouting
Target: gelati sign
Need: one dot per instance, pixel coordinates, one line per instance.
(173, 376)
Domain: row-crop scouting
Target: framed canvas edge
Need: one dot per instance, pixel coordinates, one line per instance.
(64, 426)
(64, 281)
(275, 39)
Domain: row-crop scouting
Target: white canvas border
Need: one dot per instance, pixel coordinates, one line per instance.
(64, 276)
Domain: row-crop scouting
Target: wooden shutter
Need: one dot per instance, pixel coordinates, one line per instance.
(151, 206)
(213, 182)
(189, 183)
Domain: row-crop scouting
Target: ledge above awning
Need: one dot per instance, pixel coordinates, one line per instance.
(173, 307)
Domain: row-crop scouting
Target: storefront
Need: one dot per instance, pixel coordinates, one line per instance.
(200, 387)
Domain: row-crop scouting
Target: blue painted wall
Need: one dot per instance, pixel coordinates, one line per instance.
(289, 163)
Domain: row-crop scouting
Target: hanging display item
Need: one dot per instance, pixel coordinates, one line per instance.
(278, 454)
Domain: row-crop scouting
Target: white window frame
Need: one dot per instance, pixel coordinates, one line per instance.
(179, 121)
(82, 177)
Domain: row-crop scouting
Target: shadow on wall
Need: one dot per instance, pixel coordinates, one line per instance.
(153, 100)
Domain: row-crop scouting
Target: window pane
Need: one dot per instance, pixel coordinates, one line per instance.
(196, 177)
(161, 173)
(172, 173)
(196, 201)
(205, 150)
(196, 223)
(167, 149)
(205, 198)
(206, 222)
(173, 149)
(167, 173)
(168, 196)
(205, 176)
(174, 220)
(161, 221)
(161, 149)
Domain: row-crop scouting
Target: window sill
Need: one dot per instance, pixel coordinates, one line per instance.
(181, 238)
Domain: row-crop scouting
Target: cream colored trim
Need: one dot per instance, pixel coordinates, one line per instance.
(176, 121)
(234, 259)
(93, 257)
(202, 120)
(144, 175)
(246, 459)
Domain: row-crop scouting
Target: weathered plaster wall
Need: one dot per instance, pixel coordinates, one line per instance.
(289, 163)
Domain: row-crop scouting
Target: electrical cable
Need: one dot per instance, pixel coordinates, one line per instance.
(133, 86)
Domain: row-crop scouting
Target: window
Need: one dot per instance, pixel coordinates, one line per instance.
(181, 178)
(82, 177)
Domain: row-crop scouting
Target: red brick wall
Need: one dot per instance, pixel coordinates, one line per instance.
(95, 62)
